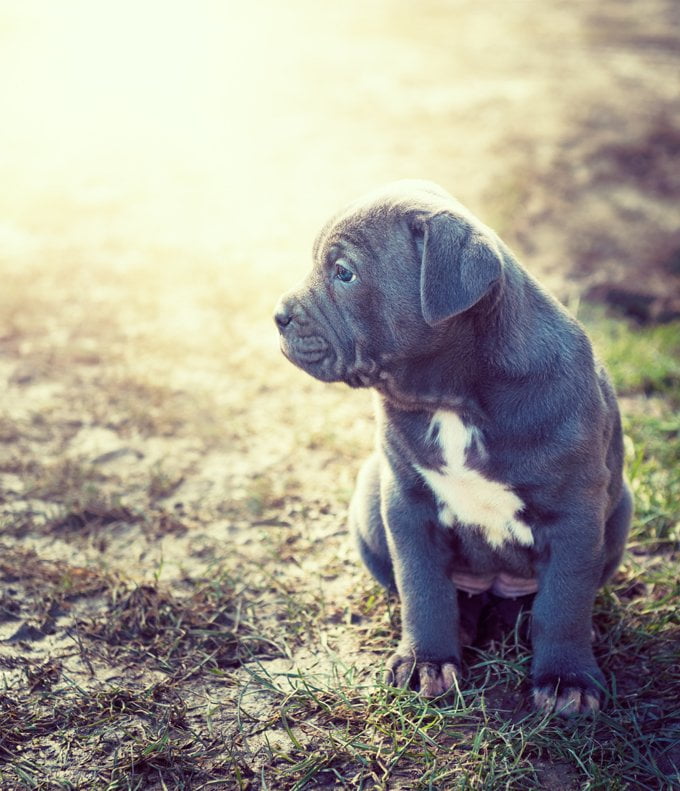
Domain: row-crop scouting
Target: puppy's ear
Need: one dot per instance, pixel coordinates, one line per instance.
(459, 266)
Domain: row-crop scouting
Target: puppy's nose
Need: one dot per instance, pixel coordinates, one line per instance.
(282, 316)
(282, 320)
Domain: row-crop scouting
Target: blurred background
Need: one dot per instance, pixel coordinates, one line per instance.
(227, 132)
(164, 168)
(166, 165)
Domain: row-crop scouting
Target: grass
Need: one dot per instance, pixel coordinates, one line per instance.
(374, 738)
(644, 361)
(181, 607)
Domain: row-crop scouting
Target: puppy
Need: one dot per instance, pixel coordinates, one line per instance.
(499, 454)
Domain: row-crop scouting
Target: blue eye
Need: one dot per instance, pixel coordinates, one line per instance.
(343, 274)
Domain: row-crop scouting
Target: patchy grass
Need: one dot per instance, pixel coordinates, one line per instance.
(185, 611)
(377, 739)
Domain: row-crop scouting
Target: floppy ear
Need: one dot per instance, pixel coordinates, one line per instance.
(459, 266)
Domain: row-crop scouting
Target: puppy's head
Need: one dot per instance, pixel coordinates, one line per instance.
(390, 271)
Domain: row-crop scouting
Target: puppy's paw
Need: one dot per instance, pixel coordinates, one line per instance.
(568, 695)
(430, 679)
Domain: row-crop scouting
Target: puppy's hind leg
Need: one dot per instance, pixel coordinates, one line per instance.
(367, 525)
(616, 532)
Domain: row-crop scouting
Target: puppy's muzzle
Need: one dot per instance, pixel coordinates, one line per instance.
(298, 341)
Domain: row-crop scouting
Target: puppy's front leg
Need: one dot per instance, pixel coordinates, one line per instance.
(428, 656)
(566, 677)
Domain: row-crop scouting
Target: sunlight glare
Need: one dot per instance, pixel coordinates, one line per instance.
(160, 103)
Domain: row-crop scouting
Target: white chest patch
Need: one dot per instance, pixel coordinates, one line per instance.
(465, 495)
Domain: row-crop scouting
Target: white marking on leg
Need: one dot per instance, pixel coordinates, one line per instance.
(464, 495)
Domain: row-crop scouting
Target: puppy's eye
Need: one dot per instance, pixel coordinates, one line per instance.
(344, 274)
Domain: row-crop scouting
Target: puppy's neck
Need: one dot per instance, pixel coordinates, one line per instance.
(424, 385)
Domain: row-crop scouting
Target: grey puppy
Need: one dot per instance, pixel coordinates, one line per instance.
(498, 462)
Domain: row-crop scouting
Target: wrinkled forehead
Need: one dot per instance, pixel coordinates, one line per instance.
(366, 229)
(381, 217)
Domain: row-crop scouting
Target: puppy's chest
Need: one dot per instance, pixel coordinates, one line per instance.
(465, 496)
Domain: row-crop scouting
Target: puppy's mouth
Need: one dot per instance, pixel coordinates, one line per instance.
(305, 350)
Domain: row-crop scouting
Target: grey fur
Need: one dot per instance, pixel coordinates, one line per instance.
(437, 314)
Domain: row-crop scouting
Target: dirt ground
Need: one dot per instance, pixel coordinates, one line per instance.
(172, 491)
